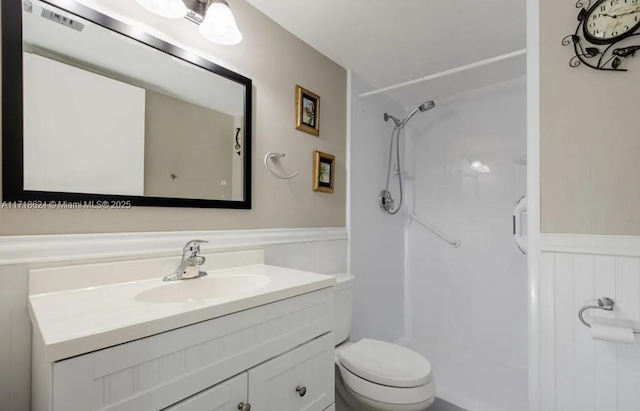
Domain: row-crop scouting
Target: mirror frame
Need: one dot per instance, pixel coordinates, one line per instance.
(13, 106)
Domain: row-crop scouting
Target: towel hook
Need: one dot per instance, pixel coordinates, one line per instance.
(275, 157)
(604, 303)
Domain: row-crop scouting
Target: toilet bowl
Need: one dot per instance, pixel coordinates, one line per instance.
(379, 376)
(374, 375)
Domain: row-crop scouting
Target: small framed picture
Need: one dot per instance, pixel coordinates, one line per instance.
(307, 111)
(324, 170)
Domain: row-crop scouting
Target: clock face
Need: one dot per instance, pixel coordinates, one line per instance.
(612, 20)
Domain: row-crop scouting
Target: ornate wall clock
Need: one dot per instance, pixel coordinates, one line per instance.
(607, 32)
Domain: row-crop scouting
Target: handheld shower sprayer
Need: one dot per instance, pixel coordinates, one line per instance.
(427, 106)
(385, 200)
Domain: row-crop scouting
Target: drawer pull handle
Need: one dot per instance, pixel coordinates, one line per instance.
(302, 391)
(244, 407)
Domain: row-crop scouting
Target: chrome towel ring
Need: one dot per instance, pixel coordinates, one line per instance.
(275, 157)
(604, 303)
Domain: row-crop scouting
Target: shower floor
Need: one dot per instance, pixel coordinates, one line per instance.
(441, 405)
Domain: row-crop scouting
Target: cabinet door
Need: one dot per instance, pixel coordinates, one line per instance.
(300, 380)
(225, 396)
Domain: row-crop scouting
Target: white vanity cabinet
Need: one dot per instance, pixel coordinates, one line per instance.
(258, 356)
(302, 379)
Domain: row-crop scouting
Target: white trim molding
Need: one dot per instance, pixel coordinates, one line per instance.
(533, 199)
(57, 248)
(592, 244)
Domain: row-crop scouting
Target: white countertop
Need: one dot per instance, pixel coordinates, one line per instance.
(78, 321)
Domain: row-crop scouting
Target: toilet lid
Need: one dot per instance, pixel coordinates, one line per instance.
(386, 364)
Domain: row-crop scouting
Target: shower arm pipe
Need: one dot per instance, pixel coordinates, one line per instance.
(455, 243)
(456, 70)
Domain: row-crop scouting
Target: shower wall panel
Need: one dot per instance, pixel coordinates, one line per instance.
(376, 240)
(466, 308)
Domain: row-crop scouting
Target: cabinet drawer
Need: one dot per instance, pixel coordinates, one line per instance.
(300, 380)
(223, 397)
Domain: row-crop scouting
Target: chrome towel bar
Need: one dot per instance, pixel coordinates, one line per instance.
(604, 303)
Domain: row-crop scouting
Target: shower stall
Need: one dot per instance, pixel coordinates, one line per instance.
(436, 265)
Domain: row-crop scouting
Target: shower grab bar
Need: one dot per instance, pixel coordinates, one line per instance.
(518, 212)
(454, 242)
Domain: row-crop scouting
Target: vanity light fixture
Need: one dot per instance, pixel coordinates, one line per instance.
(219, 25)
(215, 18)
(171, 9)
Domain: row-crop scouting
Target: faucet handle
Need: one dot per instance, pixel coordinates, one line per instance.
(193, 247)
(198, 260)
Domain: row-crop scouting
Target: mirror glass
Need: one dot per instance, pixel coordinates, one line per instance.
(107, 114)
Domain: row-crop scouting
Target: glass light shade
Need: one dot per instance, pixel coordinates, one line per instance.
(172, 9)
(219, 25)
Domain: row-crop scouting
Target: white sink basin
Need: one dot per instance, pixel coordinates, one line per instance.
(205, 288)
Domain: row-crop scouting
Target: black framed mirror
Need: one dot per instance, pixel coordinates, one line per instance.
(94, 110)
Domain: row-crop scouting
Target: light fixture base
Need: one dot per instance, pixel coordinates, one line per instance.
(215, 18)
(197, 10)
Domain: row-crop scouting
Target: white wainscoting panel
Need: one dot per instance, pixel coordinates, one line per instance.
(324, 257)
(577, 372)
(316, 250)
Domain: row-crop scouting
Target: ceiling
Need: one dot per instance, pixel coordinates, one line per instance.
(392, 41)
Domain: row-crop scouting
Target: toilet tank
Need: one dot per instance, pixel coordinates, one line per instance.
(342, 307)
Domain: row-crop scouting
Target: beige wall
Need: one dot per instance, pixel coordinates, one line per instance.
(193, 142)
(276, 61)
(590, 143)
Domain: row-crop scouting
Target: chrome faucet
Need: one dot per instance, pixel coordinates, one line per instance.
(189, 267)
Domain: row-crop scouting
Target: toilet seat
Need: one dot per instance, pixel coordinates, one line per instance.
(385, 364)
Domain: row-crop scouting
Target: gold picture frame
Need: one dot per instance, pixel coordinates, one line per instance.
(307, 111)
(324, 172)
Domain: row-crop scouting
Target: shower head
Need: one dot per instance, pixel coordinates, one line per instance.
(427, 106)
(420, 109)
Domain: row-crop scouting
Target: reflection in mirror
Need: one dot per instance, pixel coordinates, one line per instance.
(105, 114)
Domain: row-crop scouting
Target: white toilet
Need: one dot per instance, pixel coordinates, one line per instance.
(375, 375)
